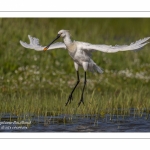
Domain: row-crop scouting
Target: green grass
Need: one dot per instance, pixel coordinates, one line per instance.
(40, 82)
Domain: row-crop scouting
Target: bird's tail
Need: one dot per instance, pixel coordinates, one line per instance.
(98, 69)
(94, 67)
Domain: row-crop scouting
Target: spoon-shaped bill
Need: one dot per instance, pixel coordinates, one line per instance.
(51, 43)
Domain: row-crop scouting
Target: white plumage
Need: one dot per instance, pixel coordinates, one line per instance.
(34, 44)
(81, 52)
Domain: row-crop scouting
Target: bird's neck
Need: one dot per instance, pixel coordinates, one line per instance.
(67, 40)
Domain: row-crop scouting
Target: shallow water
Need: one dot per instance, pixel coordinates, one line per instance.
(69, 123)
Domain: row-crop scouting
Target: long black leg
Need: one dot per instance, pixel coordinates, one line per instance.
(70, 96)
(81, 100)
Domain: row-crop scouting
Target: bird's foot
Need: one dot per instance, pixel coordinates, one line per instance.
(70, 98)
(81, 100)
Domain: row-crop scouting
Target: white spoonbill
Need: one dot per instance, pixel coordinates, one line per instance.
(80, 52)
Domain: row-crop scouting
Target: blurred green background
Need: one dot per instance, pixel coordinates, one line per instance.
(31, 76)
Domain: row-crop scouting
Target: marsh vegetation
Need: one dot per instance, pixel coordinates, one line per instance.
(38, 83)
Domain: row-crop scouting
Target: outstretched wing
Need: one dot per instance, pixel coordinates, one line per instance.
(34, 44)
(112, 49)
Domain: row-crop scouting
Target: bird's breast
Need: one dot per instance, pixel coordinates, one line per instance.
(72, 48)
(77, 54)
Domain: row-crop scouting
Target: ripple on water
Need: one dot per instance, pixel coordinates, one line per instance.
(67, 123)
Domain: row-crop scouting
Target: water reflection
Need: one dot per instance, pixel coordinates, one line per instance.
(78, 123)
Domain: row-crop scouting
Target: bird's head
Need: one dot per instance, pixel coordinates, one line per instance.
(61, 33)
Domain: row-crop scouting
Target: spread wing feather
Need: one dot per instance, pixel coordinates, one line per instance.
(34, 44)
(112, 49)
